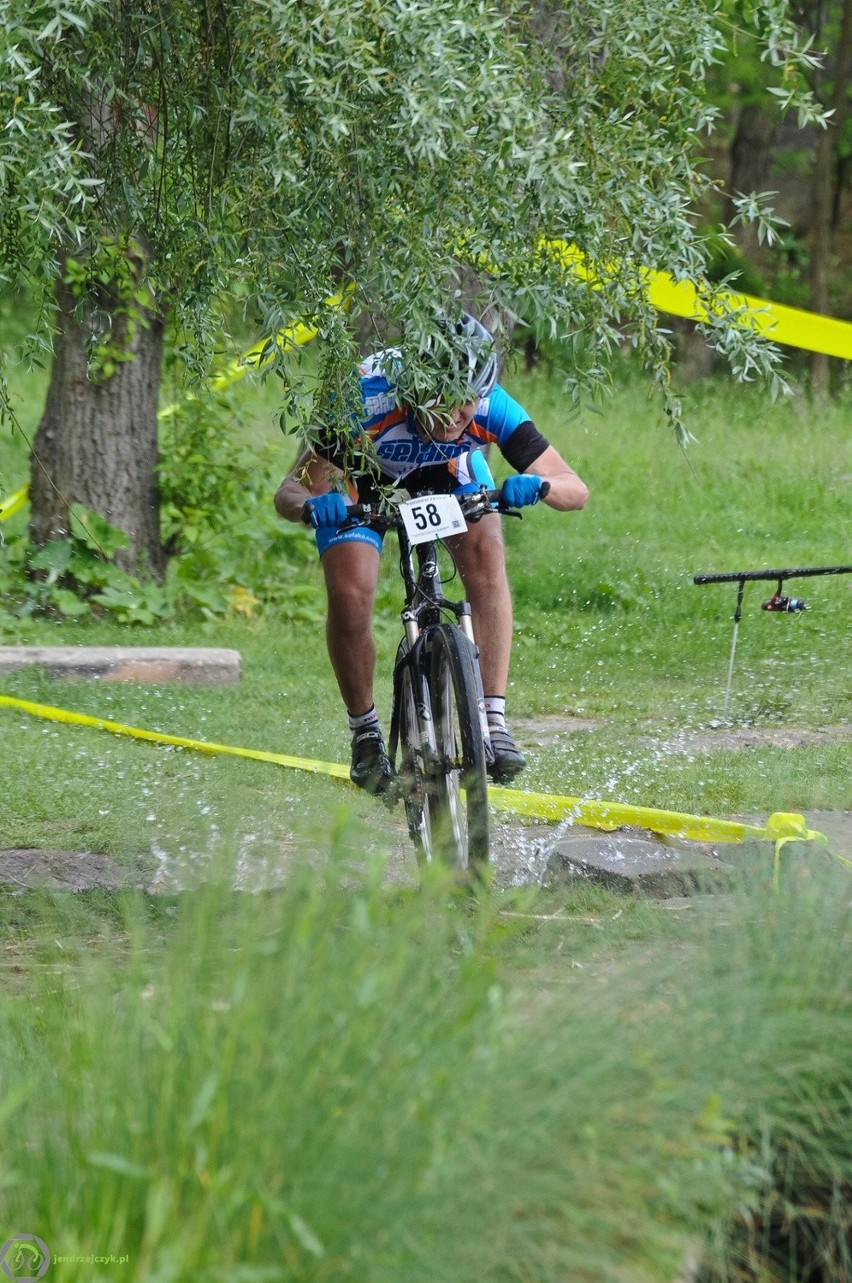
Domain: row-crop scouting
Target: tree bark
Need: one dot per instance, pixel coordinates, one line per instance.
(96, 443)
(751, 153)
(824, 192)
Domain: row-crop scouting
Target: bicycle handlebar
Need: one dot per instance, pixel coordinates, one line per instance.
(474, 505)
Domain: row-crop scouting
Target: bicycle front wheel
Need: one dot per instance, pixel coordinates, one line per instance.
(416, 757)
(458, 803)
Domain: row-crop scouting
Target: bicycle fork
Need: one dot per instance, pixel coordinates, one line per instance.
(412, 662)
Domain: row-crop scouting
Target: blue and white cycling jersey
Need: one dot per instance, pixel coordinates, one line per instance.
(400, 450)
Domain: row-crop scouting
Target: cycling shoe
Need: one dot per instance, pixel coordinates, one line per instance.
(503, 758)
(371, 768)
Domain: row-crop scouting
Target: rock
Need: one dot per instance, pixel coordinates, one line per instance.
(661, 869)
(27, 868)
(194, 665)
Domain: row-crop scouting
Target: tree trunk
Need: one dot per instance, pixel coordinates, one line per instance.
(96, 443)
(824, 192)
(751, 153)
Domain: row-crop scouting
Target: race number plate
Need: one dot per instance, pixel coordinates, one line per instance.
(433, 517)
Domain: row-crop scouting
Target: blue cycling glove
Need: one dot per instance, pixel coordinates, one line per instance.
(522, 490)
(326, 510)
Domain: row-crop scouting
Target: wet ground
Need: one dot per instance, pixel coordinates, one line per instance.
(545, 731)
(521, 854)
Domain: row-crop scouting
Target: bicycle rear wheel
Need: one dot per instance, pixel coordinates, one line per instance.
(458, 788)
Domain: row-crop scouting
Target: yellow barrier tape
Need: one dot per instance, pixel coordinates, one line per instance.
(779, 828)
(790, 326)
(53, 714)
(13, 503)
(614, 815)
(786, 827)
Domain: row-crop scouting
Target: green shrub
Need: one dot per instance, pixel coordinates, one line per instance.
(229, 553)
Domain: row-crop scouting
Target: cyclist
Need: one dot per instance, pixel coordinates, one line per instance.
(433, 446)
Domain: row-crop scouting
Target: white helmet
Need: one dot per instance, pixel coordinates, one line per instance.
(466, 353)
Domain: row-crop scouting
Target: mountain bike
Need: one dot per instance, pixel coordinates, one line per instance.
(438, 729)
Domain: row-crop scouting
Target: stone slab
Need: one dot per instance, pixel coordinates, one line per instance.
(194, 665)
(659, 868)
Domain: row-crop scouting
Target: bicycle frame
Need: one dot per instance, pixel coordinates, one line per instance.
(424, 599)
(421, 612)
(434, 763)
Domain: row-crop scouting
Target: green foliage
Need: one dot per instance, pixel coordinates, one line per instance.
(109, 280)
(209, 466)
(742, 81)
(248, 571)
(48, 189)
(74, 575)
(289, 147)
(231, 553)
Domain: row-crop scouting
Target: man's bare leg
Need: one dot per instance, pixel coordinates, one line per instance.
(480, 557)
(481, 560)
(351, 574)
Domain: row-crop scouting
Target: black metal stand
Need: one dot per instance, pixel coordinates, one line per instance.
(775, 603)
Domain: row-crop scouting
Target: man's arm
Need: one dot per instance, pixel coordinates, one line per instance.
(530, 454)
(567, 492)
(309, 476)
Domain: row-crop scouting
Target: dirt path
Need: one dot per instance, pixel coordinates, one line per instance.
(545, 731)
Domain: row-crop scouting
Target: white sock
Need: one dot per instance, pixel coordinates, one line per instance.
(495, 711)
(364, 721)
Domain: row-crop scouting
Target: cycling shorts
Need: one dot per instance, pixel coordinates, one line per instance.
(328, 537)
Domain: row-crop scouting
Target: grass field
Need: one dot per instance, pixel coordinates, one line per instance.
(609, 628)
(348, 1080)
